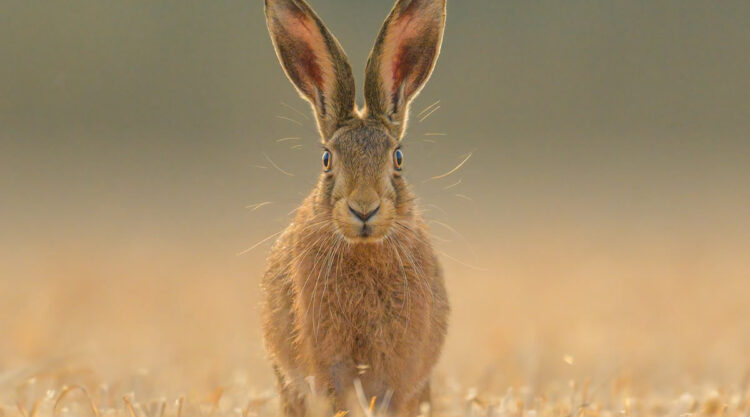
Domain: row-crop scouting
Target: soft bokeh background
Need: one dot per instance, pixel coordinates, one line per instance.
(601, 226)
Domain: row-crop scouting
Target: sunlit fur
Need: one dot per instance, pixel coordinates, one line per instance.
(353, 288)
(335, 300)
(363, 171)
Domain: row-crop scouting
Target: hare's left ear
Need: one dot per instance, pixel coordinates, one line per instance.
(313, 60)
(402, 59)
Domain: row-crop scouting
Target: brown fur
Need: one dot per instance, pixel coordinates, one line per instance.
(345, 294)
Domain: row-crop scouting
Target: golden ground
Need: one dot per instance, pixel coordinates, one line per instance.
(622, 333)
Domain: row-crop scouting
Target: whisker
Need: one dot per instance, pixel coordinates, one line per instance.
(429, 114)
(465, 197)
(436, 134)
(296, 209)
(428, 141)
(287, 139)
(457, 233)
(325, 240)
(438, 208)
(416, 266)
(440, 238)
(454, 169)
(276, 166)
(461, 262)
(297, 147)
(336, 283)
(254, 207)
(260, 243)
(412, 232)
(316, 223)
(297, 258)
(292, 108)
(428, 108)
(409, 257)
(454, 185)
(289, 119)
(337, 244)
(312, 271)
(447, 226)
(315, 287)
(260, 166)
(406, 281)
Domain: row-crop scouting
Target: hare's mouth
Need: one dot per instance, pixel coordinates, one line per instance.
(363, 232)
(361, 229)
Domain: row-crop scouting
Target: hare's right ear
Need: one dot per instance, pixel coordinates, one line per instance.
(313, 60)
(402, 60)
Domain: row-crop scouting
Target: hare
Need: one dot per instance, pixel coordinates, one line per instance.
(353, 288)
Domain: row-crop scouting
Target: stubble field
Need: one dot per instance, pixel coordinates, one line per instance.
(524, 340)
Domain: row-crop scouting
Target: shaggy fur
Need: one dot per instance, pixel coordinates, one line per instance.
(353, 288)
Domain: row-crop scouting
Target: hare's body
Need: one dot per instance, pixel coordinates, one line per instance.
(353, 289)
(342, 309)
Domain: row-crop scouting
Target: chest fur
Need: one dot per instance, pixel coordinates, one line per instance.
(362, 301)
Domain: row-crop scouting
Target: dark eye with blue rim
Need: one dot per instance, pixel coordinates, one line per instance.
(327, 161)
(398, 159)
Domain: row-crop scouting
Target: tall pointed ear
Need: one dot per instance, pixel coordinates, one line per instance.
(313, 60)
(402, 59)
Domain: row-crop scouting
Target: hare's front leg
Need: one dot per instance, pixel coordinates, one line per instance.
(335, 380)
(291, 400)
(410, 407)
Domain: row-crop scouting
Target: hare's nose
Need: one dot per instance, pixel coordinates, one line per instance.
(364, 212)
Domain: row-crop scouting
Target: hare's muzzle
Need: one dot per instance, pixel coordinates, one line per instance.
(366, 214)
(364, 220)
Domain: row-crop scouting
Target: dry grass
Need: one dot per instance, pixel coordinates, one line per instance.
(49, 394)
(136, 336)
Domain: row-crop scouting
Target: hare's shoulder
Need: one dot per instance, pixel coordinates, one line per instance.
(279, 258)
(282, 255)
(278, 306)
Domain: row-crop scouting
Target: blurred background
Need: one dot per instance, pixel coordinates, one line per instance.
(600, 226)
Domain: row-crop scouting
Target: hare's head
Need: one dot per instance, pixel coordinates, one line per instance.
(361, 185)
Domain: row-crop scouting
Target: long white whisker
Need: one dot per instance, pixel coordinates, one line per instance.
(278, 168)
(466, 159)
(336, 281)
(406, 284)
(325, 284)
(457, 233)
(456, 184)
(325, 239)
(294, 262)
(461, 262)
(416, 266)
(422, 279)
(429, 114)
(287, 139)
(311, 303)
(428, 108)
(289, 119)
(260, 243)
(292, 108)
(256, 206)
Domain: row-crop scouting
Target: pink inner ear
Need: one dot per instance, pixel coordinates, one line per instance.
(398, 48)
(311, 52)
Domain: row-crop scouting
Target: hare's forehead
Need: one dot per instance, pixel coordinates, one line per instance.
(363, 145)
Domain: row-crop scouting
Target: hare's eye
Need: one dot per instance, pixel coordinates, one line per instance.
(398, 159)
(327, 161)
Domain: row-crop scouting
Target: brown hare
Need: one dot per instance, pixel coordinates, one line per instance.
(353, 289)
